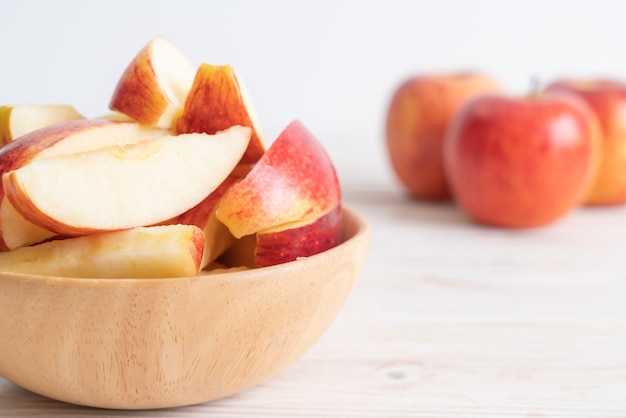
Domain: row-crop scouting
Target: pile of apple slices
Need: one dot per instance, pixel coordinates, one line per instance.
(175, 182)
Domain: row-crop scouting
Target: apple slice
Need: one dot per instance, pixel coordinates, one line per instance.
(153, 88)
(287, 243)
(281, 246)
(116, 116)
(294, 182)
(143, 252)
(123, 187)
(19, 120)
(73, 137)
(16, 230)
(199, 215)
(60, 139)
(217, 238)
(218, 100)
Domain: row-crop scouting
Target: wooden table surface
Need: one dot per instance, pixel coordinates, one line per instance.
(448, 319)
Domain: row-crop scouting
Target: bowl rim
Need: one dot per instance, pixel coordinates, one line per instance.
(355, 226)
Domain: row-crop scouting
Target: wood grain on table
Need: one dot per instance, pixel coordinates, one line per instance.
(449, 319)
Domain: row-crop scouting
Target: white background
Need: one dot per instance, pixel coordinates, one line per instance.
(331, 63)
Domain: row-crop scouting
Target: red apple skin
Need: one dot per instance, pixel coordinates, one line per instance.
(20, 152)
(136, 94)
(607, 99)
(521, 162)
(304, 241)
(199, 215)
(149, 92)
(216, 102)
(196, 247)
(417, 117)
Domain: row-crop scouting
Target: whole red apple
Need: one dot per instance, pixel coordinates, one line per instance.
(418, 115)
(521, 161)
(607, 99)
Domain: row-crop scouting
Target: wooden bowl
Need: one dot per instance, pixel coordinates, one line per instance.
(156, 343)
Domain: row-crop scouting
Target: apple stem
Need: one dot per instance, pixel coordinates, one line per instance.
(535, 86)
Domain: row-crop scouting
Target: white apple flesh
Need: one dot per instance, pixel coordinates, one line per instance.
(61, 139)
(19, 120)
(123, 187)
(143, 252)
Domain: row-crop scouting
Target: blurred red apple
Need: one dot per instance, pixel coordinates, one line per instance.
(521, 161)
(418, 115)
(607, 99)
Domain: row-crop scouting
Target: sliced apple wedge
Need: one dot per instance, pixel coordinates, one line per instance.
(288, 244)
(17, 231)
(217, 238)
(61, 139)
(294, 181)
(116, 116)
(153, 88)
(19, 120)
(123, 187)
(143, 252)
(73, 137)
(218, 100)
